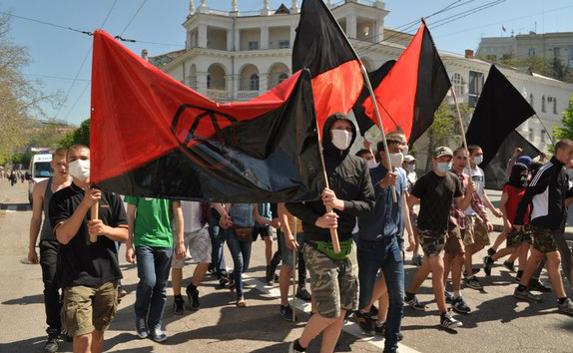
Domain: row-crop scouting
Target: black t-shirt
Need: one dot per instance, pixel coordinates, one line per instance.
(80, 262)
(436, 195)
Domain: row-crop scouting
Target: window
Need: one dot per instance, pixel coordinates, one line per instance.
(554, 105)
(543, 104)
(282, 77)
(556, 52)
(254, 45)
(284, 44)
(474, 88)
(531, 52)
(531, 99)
(458, 82)
(531, 134)
(254, 82)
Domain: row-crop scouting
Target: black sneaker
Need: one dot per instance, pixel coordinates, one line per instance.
(157, 335)
(519, 275)
(269, 277)
(178, 305)
(380, 328)
(475, 270)
(413, 302)
(365, 322)
(460, 306)
(536, 285)
(509, 265)
(287, 313)
(448, 321)
(192, 297)
(52, 344)
(141, 327)
(491, 252)
(373, 311)
(566, 307)
(526, 295)
(303, 294)
(487, 264)
(473, 283)
(449, 297)
(223, 281)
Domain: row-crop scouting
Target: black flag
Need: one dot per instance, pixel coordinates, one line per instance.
(500, 109)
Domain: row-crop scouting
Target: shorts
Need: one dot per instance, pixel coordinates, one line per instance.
(432, 242)
(454, 243)
(334, 284)
(516, 238)
(544, 238)
(475, 232)
(286, 253)
(263, 231)
(198, 245)
(86, 309)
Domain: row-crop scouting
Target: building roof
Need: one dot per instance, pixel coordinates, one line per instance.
(164, 59)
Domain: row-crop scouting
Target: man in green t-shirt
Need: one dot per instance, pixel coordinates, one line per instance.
(151, 242)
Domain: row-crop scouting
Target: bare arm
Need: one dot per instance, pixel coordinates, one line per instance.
(258, 218)
(36, 222)
(487, 202)
(179, 226)
(407, 222)
(129, 250)
(503, 208)
(412, 200)
(67, 230)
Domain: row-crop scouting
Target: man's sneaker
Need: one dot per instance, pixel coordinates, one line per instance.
(526, 295)
(52, 344)
(141, 327)
(449, 322)
(566, 307)
(365, 322)
(536, 285)
(509, 265)
(287, 313)
(373, 311)
(291, 348)
(303, 294)
(487, 264)
(192, 297)
(157, 335)
(269, 277)
(178, 305)
(417, 260)
(379, 328)
(413, 302)
(223, 281)
(121, 292)
(473, 283)
(475, 270)
(491, 252)
(460, 306)
(518, 276)
(449, 297)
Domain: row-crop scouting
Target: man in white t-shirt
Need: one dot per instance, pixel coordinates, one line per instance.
(476, 233)
(198, 244)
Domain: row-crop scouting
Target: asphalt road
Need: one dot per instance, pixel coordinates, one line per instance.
(497, 323)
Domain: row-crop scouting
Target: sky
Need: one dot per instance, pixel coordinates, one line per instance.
(57, 55)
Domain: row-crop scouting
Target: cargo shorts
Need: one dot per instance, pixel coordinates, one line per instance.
(544, 238)
(334, 283)
(432, 242)
(517, 237)
(454, 243)
(475, 232)
(86, 309)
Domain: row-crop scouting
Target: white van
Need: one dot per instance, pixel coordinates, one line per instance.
(40, 169)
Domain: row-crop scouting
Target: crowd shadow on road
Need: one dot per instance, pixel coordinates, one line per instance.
(28, 299)
(35, 344)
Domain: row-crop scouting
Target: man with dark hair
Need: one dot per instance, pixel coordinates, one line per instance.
(435, 191)
(88, 271)
(41, 196)
(546, 193)
(334, 277)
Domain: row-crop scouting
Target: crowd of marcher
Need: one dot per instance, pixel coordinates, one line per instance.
(375, 202)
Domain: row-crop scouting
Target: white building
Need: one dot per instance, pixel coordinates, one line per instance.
(237, 56)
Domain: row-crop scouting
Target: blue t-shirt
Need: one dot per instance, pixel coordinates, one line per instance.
(386, 218)
(242, 214)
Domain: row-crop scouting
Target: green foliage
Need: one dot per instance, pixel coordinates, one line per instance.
(566, 131)
(22, 158)
(81, 135)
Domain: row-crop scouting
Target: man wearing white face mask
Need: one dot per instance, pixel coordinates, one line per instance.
(334, 276)
(89, 271)
(435, 191)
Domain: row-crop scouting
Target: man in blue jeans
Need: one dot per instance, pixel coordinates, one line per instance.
(379, 248)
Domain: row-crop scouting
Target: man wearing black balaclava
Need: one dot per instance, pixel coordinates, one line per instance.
(334, 277)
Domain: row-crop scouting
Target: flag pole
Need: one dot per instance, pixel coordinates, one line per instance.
(463, 130)
(294, 263)
(94, 213)
(545, 129)
(333, 231)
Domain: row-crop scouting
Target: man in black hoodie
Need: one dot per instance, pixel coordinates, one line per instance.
(334, 277)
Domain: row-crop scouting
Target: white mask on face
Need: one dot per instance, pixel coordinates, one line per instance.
(444, 167)
(372, 164)
(410, 168)
(79, 169)
(396, 159)
(405, 150)
(478, 160)
(341, 139)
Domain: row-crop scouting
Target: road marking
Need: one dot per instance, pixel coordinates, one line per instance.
(349, 326)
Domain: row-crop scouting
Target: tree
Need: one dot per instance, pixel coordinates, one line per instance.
(81, 135)
(566, 131)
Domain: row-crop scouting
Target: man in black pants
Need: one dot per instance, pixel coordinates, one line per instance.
(41, 196)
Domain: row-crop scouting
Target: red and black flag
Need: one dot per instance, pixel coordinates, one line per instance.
(322, 47)
(413, 89)
(153, 136)
(499, 110)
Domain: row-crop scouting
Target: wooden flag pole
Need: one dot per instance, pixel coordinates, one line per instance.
(464, 141)
(545, 129)
(94, 213)
(333, 231)
(380, 125)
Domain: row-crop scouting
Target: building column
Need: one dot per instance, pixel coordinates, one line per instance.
(378, 34)
(202, 82)
(264, 38)
(263, 81)
(351, 26)
(202, 35)
(229, 40)
(292, 35)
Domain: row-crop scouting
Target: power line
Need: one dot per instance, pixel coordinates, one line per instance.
(132, 17)
(56, 77)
